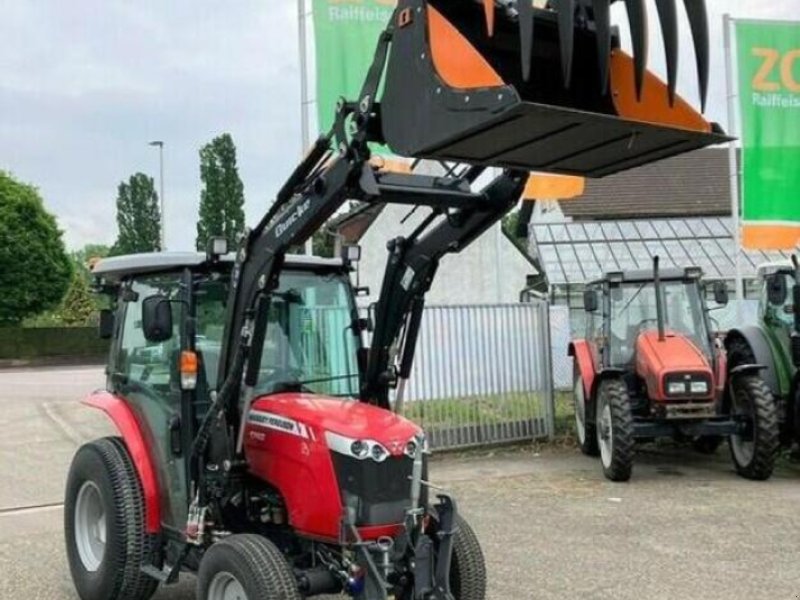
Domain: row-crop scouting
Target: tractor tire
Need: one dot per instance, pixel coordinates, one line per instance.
(468, 567)
(754, 452)
(707, 444)
(246, 566)
(585, 431)
(104, 525)
(615, 430)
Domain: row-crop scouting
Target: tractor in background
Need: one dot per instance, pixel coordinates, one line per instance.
(650, 366)
(775, 342)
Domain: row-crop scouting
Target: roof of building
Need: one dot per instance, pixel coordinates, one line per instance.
(117, 267)
(690, 185)
(579, 252)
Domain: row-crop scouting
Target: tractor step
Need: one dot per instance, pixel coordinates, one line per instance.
(166, 575)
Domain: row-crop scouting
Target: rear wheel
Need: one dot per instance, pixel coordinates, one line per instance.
(754, 449)
(104, 525)
(615, 430)
(245, 567)
(584, 418)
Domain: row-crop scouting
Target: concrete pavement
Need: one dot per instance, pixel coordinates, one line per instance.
(551, 527)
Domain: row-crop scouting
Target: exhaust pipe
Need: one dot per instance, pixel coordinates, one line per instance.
(659, 299)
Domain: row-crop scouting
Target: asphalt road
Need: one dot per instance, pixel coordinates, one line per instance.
(685, 528)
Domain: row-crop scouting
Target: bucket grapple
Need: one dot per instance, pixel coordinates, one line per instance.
(505, 84)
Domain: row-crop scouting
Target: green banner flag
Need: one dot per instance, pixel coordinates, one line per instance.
(345, 34)
(769, 92)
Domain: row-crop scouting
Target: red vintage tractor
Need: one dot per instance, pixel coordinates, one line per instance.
(650, 366)
(258, 446)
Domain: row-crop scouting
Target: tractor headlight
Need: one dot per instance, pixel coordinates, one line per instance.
(359, 449)
(699, 387)
(379, 453)
(676, 388)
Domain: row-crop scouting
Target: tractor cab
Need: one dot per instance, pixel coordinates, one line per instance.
(657, 327)
(169, 320)
(777, 295)
(650, 366)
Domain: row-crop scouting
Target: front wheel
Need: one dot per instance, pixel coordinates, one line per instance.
(754, 449)
(615, 430)
(245, 567)
(468, 567)
(584, 418)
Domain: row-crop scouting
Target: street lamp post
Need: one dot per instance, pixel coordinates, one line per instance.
(160, 145)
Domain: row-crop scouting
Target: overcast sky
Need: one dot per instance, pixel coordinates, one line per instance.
(86, 84)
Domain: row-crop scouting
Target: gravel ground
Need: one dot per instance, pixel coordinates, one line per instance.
(551, 527)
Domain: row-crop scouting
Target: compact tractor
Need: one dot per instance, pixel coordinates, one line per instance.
(775, 342)
(261, 444)
(650, 366)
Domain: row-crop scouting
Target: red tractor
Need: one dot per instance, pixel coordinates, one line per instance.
(260, 444)
(650, 366)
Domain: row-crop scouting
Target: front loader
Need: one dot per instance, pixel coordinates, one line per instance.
(258, 444)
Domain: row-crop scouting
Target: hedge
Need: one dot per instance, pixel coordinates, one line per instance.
(51, 342)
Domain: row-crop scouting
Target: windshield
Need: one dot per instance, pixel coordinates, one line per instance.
(310, 344)
(633, 310)
(783, 313)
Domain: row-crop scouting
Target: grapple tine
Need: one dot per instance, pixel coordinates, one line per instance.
(668, 16)
(525, 10)
(698, 21)
(637, 18)
(488, 8)
(602, 20)
(566, 33)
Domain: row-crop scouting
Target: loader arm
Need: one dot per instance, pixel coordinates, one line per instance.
(481, 83)
(411, 268)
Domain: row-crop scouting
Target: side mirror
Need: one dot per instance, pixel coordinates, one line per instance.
(157, 319)
(590, 301)
(721, 293)
(776, 289)
(106, 329)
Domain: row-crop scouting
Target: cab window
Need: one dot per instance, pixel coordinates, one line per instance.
(151, 364)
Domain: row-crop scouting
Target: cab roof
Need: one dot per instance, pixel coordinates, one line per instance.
(118, 267)
(774, 267)
(645, 275)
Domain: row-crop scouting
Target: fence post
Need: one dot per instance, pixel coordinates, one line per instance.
(550, 401)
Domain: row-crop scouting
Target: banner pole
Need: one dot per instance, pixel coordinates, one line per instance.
(733, 163)
(304, 121)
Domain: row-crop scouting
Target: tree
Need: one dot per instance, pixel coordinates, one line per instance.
(78, 306)
(84, 258)
(138, 216)
(222, 198)
(35, 270)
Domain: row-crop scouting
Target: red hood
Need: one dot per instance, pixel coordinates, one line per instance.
(675, 352)
(346, 417)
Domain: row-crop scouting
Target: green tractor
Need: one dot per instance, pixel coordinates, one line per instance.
(775, 342)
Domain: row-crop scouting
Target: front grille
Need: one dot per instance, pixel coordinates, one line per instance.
(374, 493)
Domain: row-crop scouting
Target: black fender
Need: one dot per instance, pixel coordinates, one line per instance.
(604, 374)
(756, 339)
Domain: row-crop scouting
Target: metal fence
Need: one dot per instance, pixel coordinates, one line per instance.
(482, 375)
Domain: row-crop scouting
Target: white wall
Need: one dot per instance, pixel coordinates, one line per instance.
(490, 271)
